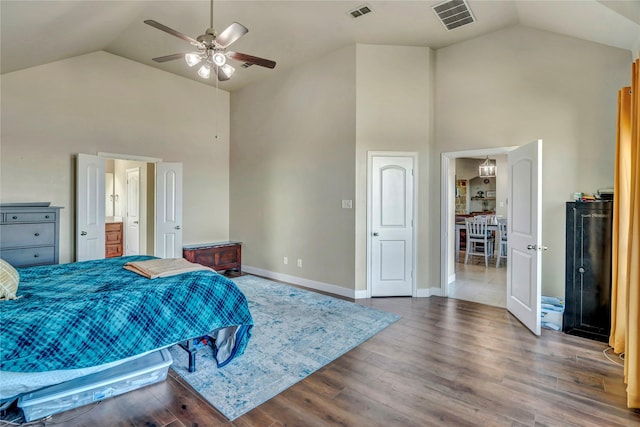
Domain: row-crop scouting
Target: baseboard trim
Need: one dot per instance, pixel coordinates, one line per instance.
(361, 294)
(311, 284)
(435, 292)
(327, 287)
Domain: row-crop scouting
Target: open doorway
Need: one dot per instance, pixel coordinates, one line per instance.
(163, 206)
(130, 202)
(467, 195)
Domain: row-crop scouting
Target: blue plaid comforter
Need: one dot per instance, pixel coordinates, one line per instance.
(93, 312)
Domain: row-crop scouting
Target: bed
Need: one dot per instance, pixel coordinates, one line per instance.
(81, 317)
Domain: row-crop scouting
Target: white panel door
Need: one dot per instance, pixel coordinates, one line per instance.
(391, 228)
(90, 207)
(132, 233)
(168, 210)
(524, 234)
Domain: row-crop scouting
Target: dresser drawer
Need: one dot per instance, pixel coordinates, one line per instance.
(113, 250)
(29, 256)
(30, 217)
(20, 235)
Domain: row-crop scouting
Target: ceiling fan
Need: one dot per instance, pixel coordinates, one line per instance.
(212, 50)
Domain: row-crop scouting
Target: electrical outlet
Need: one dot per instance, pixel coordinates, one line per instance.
(286, 260)
(300, 262)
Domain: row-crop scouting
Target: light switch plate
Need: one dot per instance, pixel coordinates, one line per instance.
(347, 204)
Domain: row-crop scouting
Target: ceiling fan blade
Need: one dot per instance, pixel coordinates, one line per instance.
(222, 76)
(169, 57)
(243, 57)
(232, 33)
(173, 32)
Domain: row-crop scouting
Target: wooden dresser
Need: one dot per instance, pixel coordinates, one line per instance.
(29, 234)
(221, 256)
(113, 239)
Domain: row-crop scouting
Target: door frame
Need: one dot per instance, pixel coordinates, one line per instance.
(139, 210)
(414, 234)
(448, 210)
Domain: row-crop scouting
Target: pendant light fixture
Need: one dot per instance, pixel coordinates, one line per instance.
(487, 168)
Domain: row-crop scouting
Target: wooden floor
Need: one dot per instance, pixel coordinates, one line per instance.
(446, 362)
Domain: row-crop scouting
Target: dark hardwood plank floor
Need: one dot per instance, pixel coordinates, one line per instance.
(446, 362)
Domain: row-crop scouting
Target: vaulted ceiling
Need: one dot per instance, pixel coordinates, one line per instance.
(33, 33)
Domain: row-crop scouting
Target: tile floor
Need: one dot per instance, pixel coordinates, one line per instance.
(477, 283)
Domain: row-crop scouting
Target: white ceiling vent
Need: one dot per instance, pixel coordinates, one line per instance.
(454, 14)
(360, 11)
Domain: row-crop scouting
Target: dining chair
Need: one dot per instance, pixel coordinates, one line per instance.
(502, 241)
(479, 239)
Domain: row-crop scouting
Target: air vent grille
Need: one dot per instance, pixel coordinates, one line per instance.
(454, 14)
(360, 11)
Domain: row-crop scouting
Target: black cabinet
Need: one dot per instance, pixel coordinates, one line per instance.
(588, 270)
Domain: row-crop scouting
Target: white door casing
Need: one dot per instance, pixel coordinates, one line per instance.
(391, 226)
(524, 234)
(90, 207)
(132, 234)
(168, 238)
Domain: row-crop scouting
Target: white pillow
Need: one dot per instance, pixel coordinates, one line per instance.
(9, 279)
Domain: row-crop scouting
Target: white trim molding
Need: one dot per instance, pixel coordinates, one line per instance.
(131, 157)
(311, 284)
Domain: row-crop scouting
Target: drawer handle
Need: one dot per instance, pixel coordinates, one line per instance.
(46, 216)
(37, 234)
(14, 217)
(36, 255)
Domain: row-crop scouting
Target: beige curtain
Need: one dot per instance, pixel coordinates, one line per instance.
(625, 313)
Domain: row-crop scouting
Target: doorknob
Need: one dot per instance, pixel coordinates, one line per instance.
(532, 247)
(83, 233)
(376, 234)
(177, 227)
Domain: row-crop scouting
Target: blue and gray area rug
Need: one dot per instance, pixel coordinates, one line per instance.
(296, 332)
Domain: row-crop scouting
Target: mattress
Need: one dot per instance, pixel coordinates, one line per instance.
(13, 384)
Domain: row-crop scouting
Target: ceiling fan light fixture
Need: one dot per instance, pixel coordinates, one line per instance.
(228, 70)
(205, 71)
(219, 59)
(192, 58)
(212, 49)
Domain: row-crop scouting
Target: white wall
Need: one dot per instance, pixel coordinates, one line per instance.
(292, 162)
(299, 146)
(103, 103)
(393, 113)
(517, 85)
